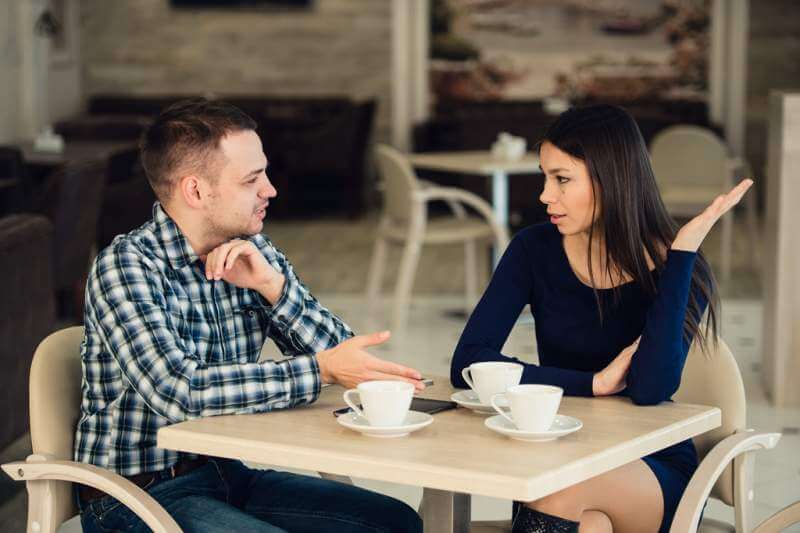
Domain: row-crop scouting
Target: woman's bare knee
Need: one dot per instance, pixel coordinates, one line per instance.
(595, 522)
(563, 504)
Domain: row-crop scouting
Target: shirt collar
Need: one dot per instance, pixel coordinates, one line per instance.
(179, 251)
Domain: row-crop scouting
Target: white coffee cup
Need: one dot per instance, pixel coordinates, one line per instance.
(385, 403)
(489, 378)
(533, 407)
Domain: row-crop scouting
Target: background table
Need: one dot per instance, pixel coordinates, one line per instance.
(452, 458)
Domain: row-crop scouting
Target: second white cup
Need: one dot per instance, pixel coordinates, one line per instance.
(385, 403)
(490, 377)
(533, 407)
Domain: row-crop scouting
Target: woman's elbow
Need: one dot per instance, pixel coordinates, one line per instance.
(651, 394)
(645, 398)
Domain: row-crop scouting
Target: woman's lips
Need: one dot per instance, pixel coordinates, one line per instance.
(555, 218)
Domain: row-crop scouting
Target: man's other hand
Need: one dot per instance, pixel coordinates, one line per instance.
(240, 263)
(348, 363)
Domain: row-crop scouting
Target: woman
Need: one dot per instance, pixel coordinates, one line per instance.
(617, 295)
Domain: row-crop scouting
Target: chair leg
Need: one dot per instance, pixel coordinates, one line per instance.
(41, 505)
(375, 275)
(405, 282)
(726, 248)
(470, 275)
(743, 466)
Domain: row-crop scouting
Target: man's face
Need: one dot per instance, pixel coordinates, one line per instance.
(239, 197)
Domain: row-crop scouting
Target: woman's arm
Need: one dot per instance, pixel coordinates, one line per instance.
(656, 368)
(494, 316)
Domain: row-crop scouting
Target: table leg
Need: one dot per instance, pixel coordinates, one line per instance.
(500, 202)
(445, 512)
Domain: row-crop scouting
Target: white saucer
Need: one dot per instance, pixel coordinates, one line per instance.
(562, 425)
(414, 421)
(469, 399)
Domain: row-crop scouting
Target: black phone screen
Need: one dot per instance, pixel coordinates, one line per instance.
(424, 405)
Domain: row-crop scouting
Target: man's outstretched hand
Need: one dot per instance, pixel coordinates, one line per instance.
(348, 363)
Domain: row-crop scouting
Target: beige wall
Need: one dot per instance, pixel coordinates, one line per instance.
(146, 47)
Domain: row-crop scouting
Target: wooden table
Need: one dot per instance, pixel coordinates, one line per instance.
(452, 458)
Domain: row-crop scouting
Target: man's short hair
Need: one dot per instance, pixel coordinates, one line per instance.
(184, 139)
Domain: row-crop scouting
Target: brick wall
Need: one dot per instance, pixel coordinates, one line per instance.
(147, 47)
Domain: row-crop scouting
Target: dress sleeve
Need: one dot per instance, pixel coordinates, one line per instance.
(498, 310)
(656, 368)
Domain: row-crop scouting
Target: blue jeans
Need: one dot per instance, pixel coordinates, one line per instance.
(226, 496)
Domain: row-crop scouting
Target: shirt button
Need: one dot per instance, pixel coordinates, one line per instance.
(251, 313)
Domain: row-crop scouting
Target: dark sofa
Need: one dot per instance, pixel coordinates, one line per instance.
(316, 146)
(27, 309)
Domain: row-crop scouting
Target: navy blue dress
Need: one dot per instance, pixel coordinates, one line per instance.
(573, 343)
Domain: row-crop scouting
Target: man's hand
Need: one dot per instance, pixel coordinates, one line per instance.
(240, 263)
(691, 235)
(611, 379)
(348, 363)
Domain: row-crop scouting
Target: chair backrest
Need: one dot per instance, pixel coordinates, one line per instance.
(689, 155)
(73, 197)
(28, 311)
(17, 186)
(55, 396)
(399, 182)
(713, 378)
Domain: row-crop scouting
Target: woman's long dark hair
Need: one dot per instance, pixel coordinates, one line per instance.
(632, 217)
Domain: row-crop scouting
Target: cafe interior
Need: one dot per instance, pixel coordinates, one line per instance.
(383, 116)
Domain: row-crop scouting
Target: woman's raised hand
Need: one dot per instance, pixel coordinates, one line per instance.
(691, 235)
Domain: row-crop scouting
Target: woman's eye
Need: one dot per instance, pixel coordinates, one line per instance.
(562, 179)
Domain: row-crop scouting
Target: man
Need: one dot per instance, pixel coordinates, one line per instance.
(177, 312)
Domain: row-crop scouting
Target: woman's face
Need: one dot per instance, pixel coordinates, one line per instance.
(567, 192)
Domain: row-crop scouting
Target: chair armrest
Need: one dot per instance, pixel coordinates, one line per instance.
(44, 468)
(472, 200)
(784, 518)
(457, 209)
(687, 516)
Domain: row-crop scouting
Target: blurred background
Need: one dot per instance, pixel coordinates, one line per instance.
(329, 80)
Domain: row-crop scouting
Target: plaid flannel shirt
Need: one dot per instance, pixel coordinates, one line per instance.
(163, 344)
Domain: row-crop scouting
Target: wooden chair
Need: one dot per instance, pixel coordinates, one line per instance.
(55, 398)
(726, 453)
(405, 221)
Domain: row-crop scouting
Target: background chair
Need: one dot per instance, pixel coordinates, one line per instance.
(15, 185)
(28, 311)
(726, 468)
(71, 200)
(127, 197)
(692, 166)
(405, 220)
(55, 394)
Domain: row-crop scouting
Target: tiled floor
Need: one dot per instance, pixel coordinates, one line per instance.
(331, 256)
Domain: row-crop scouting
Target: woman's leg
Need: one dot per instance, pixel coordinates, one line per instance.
(629, 496)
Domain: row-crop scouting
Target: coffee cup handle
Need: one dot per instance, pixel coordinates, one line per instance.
(356, 409)
(465, 374)
(497, 408)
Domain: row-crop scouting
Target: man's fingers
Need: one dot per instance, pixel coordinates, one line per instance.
(371, 339)
(394, 377)
(237, 250)
(388, 367)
